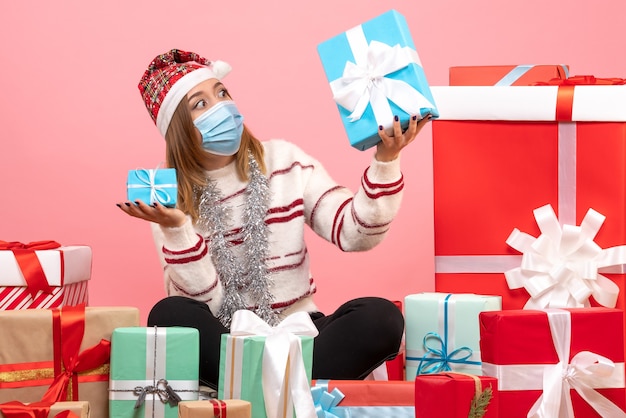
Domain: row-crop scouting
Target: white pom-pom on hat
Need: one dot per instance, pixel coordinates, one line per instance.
(220, 69)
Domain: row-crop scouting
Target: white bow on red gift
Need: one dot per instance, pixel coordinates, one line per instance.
(585, 371)
(285, 383)
(560, 268)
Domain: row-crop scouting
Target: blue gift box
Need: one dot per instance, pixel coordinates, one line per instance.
(152, 185)
(375, 74)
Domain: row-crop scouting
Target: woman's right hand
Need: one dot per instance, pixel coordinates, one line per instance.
(157, 213)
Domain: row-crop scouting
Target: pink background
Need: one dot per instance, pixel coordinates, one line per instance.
(74, 123)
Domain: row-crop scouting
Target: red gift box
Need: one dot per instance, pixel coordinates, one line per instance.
(505, 75)
(548, 355)
(362, 398)
(451, 395)
(501, 152)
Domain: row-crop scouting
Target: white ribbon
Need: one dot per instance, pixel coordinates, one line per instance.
(285, 383)
(147, 179)
(559, 269)
(580, 374)
(365, 80)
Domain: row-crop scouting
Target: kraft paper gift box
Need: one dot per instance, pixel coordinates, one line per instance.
(545, 358)
(60, 354)
(153, 185)
(442, 332)
(152, 369)
(455, 395)
(215, 408)
(18, 409)
(501, 152)
(375, 73)
(364, 399)
(43, 274)
(270, 367)
(505, 75)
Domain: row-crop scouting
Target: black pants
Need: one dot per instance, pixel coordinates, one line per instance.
(354, 340)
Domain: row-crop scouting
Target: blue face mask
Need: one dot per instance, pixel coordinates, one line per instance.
(221, 127)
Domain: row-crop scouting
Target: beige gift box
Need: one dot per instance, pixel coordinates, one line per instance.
(30, 352)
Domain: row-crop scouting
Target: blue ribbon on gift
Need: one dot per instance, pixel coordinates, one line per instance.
(437, 360)
(517, 72)
(325, 402)
(157, 191)
(327, 406)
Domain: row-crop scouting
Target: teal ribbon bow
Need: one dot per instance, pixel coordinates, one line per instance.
(325, 402)
(437, 360)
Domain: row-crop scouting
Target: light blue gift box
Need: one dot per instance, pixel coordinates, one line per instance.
(361, 63)
(443, 333)
(153, 185)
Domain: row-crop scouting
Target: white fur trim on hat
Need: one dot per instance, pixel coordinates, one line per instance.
(180, 89)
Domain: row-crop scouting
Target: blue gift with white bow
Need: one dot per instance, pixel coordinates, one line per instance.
(375, 74)
(153, 185)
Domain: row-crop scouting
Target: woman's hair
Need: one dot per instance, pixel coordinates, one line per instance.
(185, 153)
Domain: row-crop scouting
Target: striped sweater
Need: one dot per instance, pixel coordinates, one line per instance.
(302, 193)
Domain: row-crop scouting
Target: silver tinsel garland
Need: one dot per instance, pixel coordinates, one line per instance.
(245, 281)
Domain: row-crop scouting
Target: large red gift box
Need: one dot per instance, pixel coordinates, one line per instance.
(453, 395)
(501, 152)
(505, 75)
(543, 357)
(43, 275)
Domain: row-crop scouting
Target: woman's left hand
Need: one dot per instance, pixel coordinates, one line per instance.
(388, 149)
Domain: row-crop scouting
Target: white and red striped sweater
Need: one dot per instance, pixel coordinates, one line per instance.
(302, 193)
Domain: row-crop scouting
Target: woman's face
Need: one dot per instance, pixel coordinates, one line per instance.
(205, 95)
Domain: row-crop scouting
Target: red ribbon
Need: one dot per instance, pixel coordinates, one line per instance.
(565, 95)
(29, 263)
(219, 408)
(16, 409)
(68, 325)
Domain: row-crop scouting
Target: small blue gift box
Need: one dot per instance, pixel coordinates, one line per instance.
(375, 74)
(153, 185)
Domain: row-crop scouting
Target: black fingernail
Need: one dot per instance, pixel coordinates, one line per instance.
(137, 202)
(380, 127)
(127, 204)
(118, 205)
(414, 117)
(395, 118)
(154, 205)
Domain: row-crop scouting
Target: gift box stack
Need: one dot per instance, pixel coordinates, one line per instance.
(529, 207)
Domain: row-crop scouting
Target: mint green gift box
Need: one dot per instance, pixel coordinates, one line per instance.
(152, 362)
(442, 332)
(241, 369)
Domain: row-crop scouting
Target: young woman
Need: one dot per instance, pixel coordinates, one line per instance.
(236, 238)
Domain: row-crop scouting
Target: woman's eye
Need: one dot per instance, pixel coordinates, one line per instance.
(222, 93)
(200, 105)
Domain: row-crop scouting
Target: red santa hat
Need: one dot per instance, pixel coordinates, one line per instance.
(169, 78)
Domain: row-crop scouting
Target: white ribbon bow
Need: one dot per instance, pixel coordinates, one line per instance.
(559, 269)
(585, 370)
(285, 383)
(365, 81)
